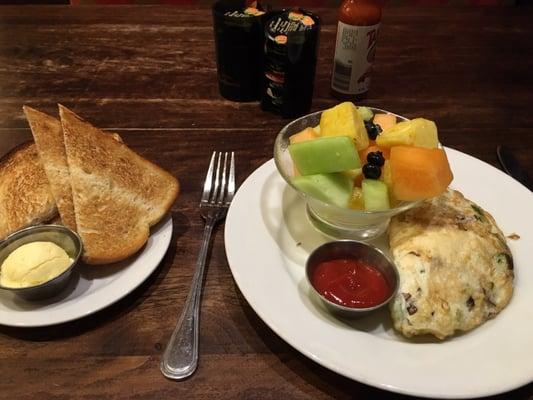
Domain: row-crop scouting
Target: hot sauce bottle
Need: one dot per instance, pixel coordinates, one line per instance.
(355, 48)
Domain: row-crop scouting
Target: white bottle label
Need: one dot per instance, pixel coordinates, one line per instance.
(355, 49)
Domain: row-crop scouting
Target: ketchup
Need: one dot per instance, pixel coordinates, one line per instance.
(350, 283)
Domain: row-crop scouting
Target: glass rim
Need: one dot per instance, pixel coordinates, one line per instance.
(403, 206)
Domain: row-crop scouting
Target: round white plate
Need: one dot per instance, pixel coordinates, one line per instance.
(268, 239)
(92, 287)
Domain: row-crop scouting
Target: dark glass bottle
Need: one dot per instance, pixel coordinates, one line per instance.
(291, 47)
(239, 44)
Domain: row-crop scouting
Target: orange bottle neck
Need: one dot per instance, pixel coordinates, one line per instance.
(360, 12)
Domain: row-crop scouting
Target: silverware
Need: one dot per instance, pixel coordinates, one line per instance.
(513, 167)
(180, 358)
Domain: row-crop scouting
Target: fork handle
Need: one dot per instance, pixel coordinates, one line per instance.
(180, 358)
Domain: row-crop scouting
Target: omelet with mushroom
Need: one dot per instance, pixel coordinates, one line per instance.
(456, 270)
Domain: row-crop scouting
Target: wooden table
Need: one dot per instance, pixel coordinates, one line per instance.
(149, 73)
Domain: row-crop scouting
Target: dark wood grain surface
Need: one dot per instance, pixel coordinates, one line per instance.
(149, 73)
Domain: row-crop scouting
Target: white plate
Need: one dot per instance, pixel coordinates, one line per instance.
(92, 288)
(268, 239)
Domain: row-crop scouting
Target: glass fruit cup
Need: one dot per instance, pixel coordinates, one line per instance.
(332, 220)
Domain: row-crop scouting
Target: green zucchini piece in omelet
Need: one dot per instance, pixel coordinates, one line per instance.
(456, 270)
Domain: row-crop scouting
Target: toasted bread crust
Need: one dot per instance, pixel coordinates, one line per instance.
(117, 194)
(48, 135)
(25, 195)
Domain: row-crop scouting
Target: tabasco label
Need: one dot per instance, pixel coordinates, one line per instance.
(355, 49)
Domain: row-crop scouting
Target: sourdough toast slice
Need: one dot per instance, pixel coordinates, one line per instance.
(25, 195)
(48, 135)
(117, 194)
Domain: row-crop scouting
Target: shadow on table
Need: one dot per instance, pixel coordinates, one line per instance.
(74, 328)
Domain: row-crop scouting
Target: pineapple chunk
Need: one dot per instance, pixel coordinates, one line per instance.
(386, 177)
(353, 174)
(418, 132)
(344, 120)
(356, 199)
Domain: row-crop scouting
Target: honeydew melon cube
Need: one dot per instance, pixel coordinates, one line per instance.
(365, 113)
(324, 155)
(344, 120)
(375, 195)
(334, 188)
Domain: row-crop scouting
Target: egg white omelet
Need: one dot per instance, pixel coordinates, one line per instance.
(456, 270)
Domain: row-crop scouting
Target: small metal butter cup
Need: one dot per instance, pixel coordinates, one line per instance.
(359, 251)
(62, 236)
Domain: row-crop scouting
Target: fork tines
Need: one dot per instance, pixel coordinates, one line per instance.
(219, 185)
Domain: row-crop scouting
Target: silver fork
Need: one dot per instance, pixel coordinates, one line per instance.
(180, 358)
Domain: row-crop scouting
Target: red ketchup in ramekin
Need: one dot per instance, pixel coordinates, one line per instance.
(350, 283)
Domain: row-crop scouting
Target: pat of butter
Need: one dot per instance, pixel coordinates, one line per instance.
(32, 264)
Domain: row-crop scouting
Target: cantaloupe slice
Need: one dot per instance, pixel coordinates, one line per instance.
(419, 173)
(302, 136)
(385, 121)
